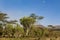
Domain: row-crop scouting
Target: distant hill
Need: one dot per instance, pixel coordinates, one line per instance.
(56, 28)
(40, 26)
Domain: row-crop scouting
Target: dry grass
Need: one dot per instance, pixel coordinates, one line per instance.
(17, 38)
(30, 38)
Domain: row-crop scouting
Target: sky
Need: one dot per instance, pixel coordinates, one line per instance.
(49, 9)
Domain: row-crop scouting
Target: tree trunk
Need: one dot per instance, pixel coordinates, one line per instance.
(27, 32)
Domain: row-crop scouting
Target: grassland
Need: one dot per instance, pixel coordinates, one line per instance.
(44, 38)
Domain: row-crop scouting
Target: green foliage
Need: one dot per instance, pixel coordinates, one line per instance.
(8, 30)
(36, 17)
(3, 16)
(13, 29)
(36, 32)
(46, 32)
(18, 31)
(27, 22)
(18, 28)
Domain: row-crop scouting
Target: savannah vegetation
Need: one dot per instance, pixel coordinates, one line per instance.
(26, 30)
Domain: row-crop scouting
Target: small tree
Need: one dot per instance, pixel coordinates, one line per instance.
(27, 22)
(51, 26)
(3, 20)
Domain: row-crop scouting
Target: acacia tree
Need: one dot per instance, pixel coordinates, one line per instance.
(28, 21)
(4, 22)
(3, 19)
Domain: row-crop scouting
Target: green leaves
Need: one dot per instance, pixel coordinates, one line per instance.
(35, 32)
(3, 16)
(36, 17)
(27, 21)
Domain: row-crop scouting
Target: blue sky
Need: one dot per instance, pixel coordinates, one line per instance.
(16, 9)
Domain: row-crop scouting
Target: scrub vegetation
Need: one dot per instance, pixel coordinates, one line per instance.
(12, 30)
